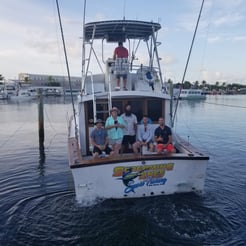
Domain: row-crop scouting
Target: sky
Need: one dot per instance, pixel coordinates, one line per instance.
(31, 39)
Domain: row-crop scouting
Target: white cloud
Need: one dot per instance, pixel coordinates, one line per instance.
(31, 39)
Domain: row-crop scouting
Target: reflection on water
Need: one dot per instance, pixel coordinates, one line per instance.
(38, 205)
(41, 166)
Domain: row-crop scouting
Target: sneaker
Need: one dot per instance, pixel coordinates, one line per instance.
(117, 88)
(125, 89)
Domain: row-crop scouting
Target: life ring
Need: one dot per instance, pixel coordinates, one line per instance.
(150, 77)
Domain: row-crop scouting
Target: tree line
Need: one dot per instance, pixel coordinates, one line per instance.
(210, 87)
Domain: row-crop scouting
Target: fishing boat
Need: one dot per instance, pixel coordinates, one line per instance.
(127, 175)
(189, 94)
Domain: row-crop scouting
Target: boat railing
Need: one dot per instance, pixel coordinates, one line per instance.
(139, 78)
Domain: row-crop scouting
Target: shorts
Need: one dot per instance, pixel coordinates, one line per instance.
(169, 148)
(124, 76)
(127, 139)
(148, 143)
(107, 150)
(115, 141)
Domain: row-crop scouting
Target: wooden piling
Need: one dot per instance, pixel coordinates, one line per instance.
(40, 118)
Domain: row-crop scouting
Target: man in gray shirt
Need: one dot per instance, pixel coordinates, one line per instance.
(144, 136)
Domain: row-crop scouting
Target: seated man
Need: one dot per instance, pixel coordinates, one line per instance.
(144, 136)
(99, 140)
(163, 138)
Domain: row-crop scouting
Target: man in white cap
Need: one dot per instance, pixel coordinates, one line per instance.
(114, 125)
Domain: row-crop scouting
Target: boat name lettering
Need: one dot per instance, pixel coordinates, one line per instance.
(153, 182)
(157, 169)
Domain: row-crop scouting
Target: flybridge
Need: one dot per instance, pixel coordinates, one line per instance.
(120, 30)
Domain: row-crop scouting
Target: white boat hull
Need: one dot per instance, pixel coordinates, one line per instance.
(130, 176)
(135, 179)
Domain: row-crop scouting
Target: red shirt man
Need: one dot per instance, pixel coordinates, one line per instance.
(121, 67)
(120, 51)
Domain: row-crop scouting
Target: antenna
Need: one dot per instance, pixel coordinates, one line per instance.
(124, 10)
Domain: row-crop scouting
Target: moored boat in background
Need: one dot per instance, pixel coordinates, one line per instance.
(189, 94)
(22, 95)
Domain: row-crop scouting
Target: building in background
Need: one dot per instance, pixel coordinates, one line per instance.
(37, 80)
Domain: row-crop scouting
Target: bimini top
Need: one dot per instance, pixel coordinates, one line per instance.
(120, 30)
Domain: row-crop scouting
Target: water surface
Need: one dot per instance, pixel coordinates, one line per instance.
(38, 205)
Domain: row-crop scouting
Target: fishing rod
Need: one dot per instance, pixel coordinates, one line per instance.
(187, 62)
(68, 71)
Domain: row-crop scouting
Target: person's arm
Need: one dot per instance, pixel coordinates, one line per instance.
(108, 124)
(93, 143)
(169, 139)
(150, 134)
(121, 122)
(158, 138)
(135, 123)
(106, 141)
(114, 55)
(140, 134)
(111, 126)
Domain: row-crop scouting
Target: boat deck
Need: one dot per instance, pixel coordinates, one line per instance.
(77, 161)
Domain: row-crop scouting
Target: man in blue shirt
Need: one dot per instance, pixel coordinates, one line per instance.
(99, 140)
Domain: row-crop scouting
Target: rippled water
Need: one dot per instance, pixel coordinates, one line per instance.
(38, 205)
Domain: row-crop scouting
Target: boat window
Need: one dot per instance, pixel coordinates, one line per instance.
(119, 105)
(155, 109)
(137, 108)
(89, 112)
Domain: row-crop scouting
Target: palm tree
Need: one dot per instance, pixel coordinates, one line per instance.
(204, 83)
(186, 85)
(196, 84)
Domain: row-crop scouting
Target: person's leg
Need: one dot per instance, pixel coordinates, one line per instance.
(118, 82)
(171, 149)
(124, 84)
(116, 148)
(136, 147)
(117, 87)
(159, 148)
(96, 152)
(151, 147)
(124, 144)
(95, 155)
(124, 81)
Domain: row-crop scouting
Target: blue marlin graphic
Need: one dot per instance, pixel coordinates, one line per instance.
(129, 176)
